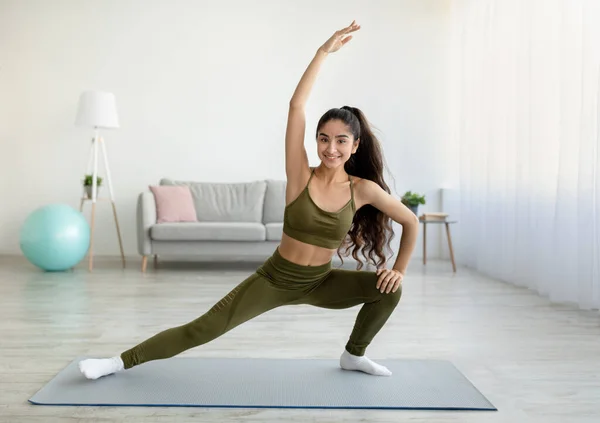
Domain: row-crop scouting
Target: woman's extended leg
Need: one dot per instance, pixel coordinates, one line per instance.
(348, 288)
(254, 296)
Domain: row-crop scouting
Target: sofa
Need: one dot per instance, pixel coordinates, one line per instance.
(235, 222)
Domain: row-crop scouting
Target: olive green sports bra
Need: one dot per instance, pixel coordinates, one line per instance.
(304, 221)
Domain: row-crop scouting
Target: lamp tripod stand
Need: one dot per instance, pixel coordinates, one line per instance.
(92, 167)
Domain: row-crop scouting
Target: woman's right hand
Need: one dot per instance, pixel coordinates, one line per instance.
(339, 38)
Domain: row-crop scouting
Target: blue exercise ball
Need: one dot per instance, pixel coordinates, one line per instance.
(55, 237)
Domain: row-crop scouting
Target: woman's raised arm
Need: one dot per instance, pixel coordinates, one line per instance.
(296, 160)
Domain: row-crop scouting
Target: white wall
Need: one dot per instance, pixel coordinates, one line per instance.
(212, 79)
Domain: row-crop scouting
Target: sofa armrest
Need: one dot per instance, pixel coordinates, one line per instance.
(146, 217)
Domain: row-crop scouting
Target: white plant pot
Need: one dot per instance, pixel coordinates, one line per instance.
(88, 191)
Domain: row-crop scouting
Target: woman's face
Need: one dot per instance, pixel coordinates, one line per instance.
(335, 143)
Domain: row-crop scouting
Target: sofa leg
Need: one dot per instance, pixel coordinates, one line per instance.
(155, 261)
(144, 263)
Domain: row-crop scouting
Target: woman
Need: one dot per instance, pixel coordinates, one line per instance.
(342, 201)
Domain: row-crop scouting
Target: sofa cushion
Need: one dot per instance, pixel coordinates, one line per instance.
(274, 231)
(173, 204)
(209, 231)
(274, 201)
(226, 202)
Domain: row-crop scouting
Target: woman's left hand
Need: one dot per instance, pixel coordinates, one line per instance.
(389, 280)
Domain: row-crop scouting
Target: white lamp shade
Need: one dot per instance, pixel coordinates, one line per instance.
(97, 109)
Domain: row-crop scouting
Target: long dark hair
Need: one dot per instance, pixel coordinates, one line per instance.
(371, 231)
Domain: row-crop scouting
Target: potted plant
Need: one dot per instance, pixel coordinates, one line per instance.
(88, 182)
(412, 200)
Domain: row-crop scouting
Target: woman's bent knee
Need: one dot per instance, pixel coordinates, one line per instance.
(393, 298)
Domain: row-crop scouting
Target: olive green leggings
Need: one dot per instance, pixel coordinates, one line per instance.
(279, 282)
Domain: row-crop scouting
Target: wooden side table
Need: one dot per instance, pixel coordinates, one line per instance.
(438, 222)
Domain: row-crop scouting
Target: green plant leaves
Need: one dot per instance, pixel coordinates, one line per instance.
(87, 180)
(413, 199)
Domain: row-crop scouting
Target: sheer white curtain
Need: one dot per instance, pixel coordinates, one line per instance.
(526, 82)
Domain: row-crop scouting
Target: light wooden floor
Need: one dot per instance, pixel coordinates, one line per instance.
(535, 361)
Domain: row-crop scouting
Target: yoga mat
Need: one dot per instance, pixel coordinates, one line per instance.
(267, 383)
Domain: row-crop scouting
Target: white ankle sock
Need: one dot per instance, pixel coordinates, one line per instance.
(362, 364)
(94, 368)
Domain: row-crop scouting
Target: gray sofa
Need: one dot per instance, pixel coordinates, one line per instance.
(236, 222)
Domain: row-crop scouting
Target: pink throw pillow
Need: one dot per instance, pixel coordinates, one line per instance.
(174, 204)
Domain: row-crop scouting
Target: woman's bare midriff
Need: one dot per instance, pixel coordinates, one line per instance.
(304, 254)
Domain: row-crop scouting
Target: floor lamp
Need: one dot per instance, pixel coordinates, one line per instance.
(98, 110)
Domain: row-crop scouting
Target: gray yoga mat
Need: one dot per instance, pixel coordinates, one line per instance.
(268, 383)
